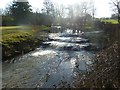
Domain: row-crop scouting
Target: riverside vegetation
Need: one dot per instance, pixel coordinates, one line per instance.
(21, 39)
(105, 69)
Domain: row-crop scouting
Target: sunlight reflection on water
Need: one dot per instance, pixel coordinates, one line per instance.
(72, 61)
(46, 52)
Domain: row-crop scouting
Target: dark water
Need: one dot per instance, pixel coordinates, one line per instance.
(56, 63)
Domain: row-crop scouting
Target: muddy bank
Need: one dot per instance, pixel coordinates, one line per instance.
(25, 44)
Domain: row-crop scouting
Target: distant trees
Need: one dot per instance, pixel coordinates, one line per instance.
(116, 4)
(60, 14)
(7, 19)
(77, 15)
(1, 11)
(20, 11)
(81, 14)
(54, 11)
(38, 18)
(49, 11)
(114, 16)
(48, 7)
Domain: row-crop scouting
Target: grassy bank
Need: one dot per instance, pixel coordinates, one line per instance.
(21, 39)
(112, 21)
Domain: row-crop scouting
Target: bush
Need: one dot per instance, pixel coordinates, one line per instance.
(105, 70)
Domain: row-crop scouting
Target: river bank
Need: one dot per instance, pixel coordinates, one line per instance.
(55, 65)
(63, 58)
(105, 70)
(17, 40)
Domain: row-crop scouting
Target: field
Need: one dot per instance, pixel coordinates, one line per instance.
(12, 33)
(113, 21)
(19, 39)
(15, 32)
(15, 29)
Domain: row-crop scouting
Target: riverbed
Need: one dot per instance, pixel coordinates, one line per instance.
(56, 63)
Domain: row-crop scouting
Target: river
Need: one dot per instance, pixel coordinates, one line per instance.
(56, 63)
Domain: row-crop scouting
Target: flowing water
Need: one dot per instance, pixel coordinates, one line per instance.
(56, 63)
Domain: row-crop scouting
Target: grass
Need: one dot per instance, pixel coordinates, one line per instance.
(44, 27)
(20, 38)
(11, 27)
(15, 29)
(11, 33)
(113, 21)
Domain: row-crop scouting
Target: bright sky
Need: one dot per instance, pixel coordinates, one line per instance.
(102, 6)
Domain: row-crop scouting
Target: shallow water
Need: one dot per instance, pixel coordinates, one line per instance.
(55, 64)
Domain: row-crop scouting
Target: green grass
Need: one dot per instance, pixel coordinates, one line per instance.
(12, 33)
(11, 27)
(44, 27)
(20, 38)
(15, 29)
(113, 21)
(15, 32)
(19, 29)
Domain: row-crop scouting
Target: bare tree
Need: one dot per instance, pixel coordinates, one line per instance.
(83, 13)
(116, 4)
(92, 9)
(70, 14)
(1, 11)
(59, 13)
(48, 7)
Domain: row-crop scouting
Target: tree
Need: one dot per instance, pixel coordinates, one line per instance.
(114, 16)
(20, 11)
(81, 14)
(49, 12)
(116, 4)
(60, 13)
(71, 14)
(1, 11)
(48, 8)
(7, 19)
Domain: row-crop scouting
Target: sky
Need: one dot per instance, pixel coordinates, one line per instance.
(103, 8)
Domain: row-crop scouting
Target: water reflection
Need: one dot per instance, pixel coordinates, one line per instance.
(53, 66)
(46, 52)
